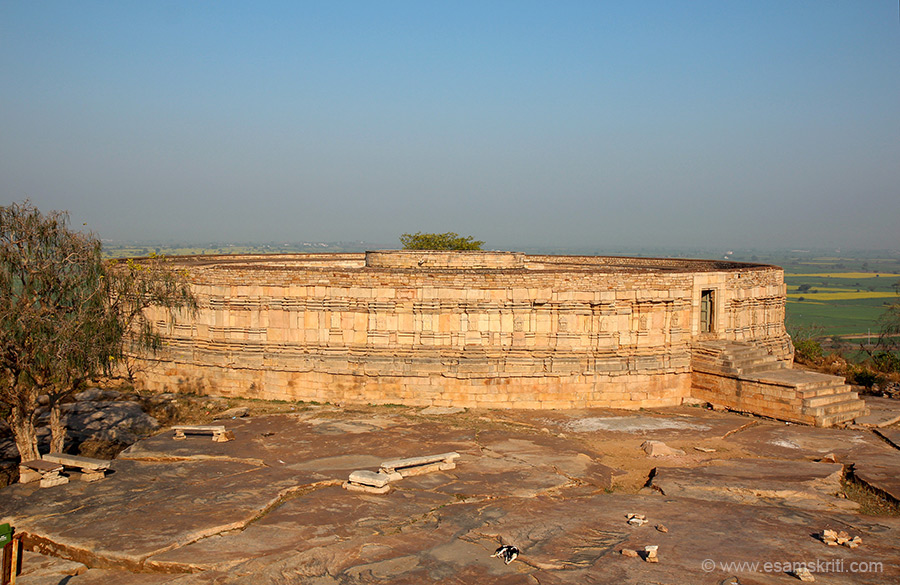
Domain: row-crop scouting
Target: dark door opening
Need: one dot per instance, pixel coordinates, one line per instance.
(706, 311)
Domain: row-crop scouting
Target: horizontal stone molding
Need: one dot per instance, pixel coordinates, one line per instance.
(549, 330)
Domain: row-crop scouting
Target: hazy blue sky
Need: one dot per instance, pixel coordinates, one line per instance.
(736, 124)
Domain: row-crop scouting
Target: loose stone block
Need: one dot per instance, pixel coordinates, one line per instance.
(354, 487)
(408, 465)
(370, 478)
(659, 449)
(27, 475)
(45, 471)
(90, 476)
(77, 461)
(218, 432)
(53, 479)
(636, 519)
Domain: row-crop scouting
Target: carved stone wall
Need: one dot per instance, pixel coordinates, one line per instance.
(500, 330)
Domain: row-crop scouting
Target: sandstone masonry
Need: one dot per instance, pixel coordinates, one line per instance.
(473, 329)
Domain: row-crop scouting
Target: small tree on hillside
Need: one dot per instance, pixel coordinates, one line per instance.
(889, 322)
(885, 352)
(64, 317)
(134, 288)
(445, 241)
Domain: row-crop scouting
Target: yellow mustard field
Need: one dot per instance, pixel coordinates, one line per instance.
(841, 296)
(856, 275)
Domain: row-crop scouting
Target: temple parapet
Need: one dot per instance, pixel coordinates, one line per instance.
(486, 329)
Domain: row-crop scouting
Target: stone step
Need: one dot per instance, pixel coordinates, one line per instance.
(849, 405)
(807, 397)
(737, 351)
(732, 360)
(741, 364)
(824, 391)
(801, 380)
(820, 387)
(839, 418)
(763, 366)
(747, 360)
(838, 395)
(745, 352)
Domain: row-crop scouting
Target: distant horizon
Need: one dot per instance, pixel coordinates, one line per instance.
(364, 246)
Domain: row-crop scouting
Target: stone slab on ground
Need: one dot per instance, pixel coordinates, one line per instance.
(872, 459)
(36, 567)
(108, 524)
(683, 423)
(891, 435)
(543, 491)
(304, 441)
(441, 410)
(803, 484)
(790, 441)
(317, 519)
(573, 540)
(209, 488)
(883, 412)
(880, 469)
(101, 577)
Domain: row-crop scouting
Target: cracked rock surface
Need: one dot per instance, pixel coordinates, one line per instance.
(267, 507)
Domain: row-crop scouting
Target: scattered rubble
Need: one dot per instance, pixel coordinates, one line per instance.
(888, 390)
(650, 553)
(804, 575)
(636, 519)
(834, 538)
(236, 412)
(659, 449)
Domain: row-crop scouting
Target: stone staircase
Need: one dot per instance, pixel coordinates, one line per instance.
(733, 358)
(745, 377)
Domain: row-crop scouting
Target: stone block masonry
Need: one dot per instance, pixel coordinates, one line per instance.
(472, 329)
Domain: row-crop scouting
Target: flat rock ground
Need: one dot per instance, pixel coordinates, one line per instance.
(741, 505)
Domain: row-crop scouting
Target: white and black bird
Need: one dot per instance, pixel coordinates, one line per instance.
(507, 552)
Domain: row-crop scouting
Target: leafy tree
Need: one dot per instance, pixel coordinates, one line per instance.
(889, 324)
(134, 288)
(65, 315)
(884, 354)
(445, 241)
(50, 284)
(807, 348)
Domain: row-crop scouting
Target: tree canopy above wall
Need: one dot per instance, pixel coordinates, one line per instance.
(445, 241)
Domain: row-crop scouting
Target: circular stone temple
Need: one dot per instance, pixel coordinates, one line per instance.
(471, 329)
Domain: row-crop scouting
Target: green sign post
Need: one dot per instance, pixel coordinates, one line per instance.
(10, 565)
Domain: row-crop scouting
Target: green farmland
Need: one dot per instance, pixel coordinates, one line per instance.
(839, 302)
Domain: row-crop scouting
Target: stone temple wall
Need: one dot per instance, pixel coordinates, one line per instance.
(486, 329)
